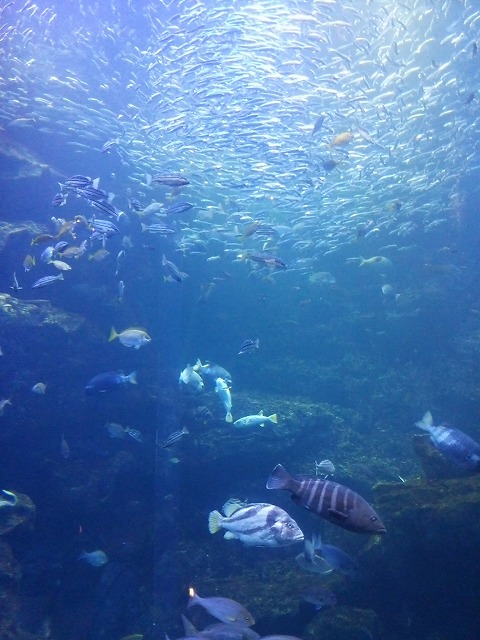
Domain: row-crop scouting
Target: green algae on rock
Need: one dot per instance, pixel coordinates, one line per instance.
(36, 313)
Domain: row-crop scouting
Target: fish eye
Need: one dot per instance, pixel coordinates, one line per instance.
(290, 525)
(373, 518)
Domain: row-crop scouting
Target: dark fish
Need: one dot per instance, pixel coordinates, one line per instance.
(329, 164)
(93, 194)
(272, 262)
(174, 437)
(249, 346)
(334, 502)
(105, 207)
(320, 597)
(171, 180)
(43, 282)
(224, 609)
(452, 443)
(474, 49)
(179, 207)
(161, 229)
(59, 199)
(318, 124)
(336, 558)
(470, 98)
(212, 371)
(78, 182)
(109, 382)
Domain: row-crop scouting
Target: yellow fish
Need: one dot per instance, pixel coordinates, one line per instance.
(342, 139)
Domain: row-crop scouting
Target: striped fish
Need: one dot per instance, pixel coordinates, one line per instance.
(171, 180)
(334, 502)
(455, 445)
(43, 282)
(256, 525)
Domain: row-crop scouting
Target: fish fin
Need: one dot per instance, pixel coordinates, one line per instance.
(198, 365)
(273, 418)
(132, 377)
(189, 629)
(260, 413)
(229, 417)
(164, 260)
(426, 422)
(362, 262)
(279, 478)
(229, 536)
(230, 507)
(214, 521)
(95, 183)
(144, 226)
(113, 334)
(338, 515)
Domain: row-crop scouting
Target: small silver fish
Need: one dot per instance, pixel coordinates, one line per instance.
(324, 467)
(174, 437)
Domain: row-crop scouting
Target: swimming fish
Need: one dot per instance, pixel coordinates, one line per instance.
(249, 346)
(224, 609)
(191, 379)
(334, 502)
(135, 338)
(43, 282)
(94, 558)
(256, 525)
(212, 371)
(455, 445)
(109, 381)
(39, 388)
(223, 390)
(256, 420)
(174, 437)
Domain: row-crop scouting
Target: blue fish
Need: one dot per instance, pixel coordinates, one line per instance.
(336, 558)
(109, 382)
(212, 371)
(455, 445)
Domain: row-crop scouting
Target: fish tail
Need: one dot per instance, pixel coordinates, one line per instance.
(132, 377)
(279, 478)
(144, 226)
(214, 521)
(229, 417)
(113, 334)
(426, 422)
(362, 262)
(273, 418)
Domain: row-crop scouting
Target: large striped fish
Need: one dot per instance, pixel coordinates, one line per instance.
(330, 500)
(256, 525)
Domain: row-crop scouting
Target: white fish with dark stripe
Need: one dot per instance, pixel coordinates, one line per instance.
(452, 443)
(256, 525)
(330, 500)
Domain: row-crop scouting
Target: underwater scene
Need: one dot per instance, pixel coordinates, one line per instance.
(239, 319)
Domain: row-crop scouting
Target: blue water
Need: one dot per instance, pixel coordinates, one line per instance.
(227, 95)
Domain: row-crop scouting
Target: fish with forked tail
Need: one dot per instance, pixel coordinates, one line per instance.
(334, 502)
(455, 445)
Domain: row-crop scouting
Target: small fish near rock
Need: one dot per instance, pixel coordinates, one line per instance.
(224, 609)
(452, 443)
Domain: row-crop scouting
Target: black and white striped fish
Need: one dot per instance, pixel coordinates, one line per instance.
(452, 443)
(256, 525)
(330, 500)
